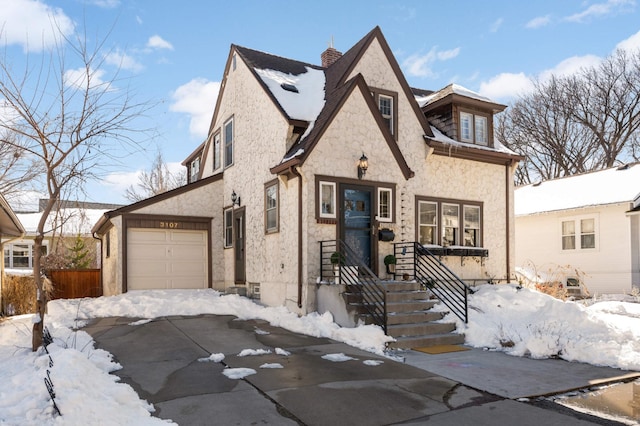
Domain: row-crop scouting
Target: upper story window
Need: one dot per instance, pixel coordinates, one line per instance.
(386, 101)
(271, 207)
(585, 228)
(449, 223)
(194, 170)
(474, 128)
(217, 152)
(228, 143)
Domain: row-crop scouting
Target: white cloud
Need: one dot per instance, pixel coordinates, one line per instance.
(421, 65)
(124, 61)
(197, 98)
(106, 4)
(78, 78)
(609, 7)
(32, 24)
(505, 86)
(570, 66)
(157, 42)
(538, 22)
(630, 44)
(496, 25)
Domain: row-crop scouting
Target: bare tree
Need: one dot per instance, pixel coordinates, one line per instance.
(18, 170)
(64, 114)
(155, 181)
(574, 124)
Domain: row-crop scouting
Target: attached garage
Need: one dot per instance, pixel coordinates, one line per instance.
(166, 259)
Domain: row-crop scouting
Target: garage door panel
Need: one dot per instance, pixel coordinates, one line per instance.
(166, 259)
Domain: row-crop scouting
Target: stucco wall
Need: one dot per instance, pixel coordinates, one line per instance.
(605, 269)
(112, 265)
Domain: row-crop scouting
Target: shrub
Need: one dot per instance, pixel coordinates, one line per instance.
(18, 295)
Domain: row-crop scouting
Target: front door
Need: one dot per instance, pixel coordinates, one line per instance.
(357, 220)
(239, 246)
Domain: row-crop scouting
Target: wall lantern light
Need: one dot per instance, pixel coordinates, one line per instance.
(363, 165)
(235, 199)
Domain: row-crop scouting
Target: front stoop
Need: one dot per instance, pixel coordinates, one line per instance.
(410, 320)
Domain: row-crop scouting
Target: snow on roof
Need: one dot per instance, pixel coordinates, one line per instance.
(74, 221)
(448, 90)
(303, 104)
(610, 186)
(441, 137)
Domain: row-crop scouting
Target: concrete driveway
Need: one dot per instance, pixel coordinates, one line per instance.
(160, 361)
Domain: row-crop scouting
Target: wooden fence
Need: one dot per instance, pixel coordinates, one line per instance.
(75, 283)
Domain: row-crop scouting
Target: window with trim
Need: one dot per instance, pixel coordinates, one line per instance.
(194, 170)
(474, 128)
(228, 143)
(327, 200)
(228, 228)
(585, 228)
(449, 222)
(216, 152)
(271, 207)
(19, 255)
(385, 205)
(386, 101)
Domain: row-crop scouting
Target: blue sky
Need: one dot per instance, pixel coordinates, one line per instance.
(175, 52)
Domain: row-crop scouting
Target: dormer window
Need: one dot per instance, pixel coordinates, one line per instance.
(474, 128)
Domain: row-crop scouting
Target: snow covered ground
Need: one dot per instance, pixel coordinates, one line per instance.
(516, 320)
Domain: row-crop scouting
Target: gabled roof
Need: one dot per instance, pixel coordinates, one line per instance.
(610, 186)
(454, 93)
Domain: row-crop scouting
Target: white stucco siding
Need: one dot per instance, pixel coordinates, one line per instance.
(379, 74)
(605, 269)
(260, 134)
(111, 267)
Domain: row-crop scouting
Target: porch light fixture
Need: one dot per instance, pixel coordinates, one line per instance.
(235, 199)
(363, 165)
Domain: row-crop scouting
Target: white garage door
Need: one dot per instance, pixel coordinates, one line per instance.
(166, 259)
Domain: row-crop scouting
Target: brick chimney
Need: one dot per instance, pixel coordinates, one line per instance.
(329, 56)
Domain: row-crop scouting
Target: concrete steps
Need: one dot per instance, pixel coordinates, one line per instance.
(409, 319)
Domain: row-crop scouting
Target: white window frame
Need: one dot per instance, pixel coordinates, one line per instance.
(478, 230)
(194, 170)
(229, 143)
(388, 217)
(228, 228)
(481, 132)
(217, 151)
(466, 131)
(8, 247)
(434, 226)
(445, 226)
(333, 202)
(579, 233)
(268, 208)
(388, 116)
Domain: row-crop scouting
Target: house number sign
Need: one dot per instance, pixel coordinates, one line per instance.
(169, 225)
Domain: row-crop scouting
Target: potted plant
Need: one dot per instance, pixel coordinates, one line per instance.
(337, 260)
(390, 262)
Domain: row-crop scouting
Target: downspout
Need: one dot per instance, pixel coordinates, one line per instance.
(507, 171)
(295, 172)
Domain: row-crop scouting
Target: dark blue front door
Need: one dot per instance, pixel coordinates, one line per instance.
(357, 221)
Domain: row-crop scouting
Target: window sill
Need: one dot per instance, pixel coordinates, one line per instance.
(460, 251)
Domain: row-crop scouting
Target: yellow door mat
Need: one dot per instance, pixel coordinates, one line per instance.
(442, 349)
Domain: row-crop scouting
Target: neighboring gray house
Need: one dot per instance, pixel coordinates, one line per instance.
(589, 223)
(302, 158)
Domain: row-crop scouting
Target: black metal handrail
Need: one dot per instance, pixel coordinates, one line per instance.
(341, 265)
(419, 263)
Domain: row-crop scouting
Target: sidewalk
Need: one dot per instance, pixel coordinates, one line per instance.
(160, 361)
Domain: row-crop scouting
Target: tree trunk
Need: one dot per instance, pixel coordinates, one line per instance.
(41, 294)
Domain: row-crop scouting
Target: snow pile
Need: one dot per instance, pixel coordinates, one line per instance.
(524, 322)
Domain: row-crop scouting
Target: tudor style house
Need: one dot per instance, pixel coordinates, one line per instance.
(582, 229)
(305, 164)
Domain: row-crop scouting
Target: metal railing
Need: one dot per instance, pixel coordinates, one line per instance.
(417, 262)
(339, 264)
